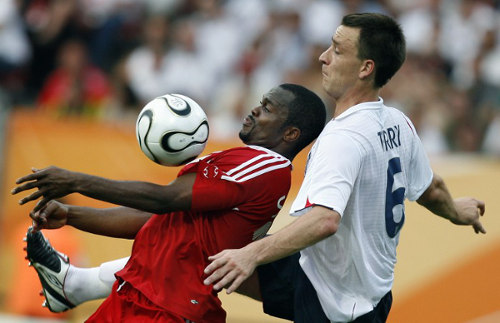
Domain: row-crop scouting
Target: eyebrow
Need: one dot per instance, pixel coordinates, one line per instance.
(266, 100)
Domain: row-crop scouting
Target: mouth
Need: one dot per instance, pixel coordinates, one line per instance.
(248, 121)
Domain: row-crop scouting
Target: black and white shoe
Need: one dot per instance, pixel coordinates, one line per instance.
(51, 267)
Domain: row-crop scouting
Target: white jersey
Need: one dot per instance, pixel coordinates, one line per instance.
(363, 165)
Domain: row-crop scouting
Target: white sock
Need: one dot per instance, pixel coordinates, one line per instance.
(86, 284)
(108, 269)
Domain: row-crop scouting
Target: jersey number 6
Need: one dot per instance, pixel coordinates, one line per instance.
(394, 207)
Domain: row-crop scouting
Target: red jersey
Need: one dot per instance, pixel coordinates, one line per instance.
(236, 195)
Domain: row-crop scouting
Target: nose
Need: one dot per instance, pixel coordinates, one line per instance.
(323, 57)
(255, 111)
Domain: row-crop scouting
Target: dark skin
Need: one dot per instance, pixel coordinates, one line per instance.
(55, 215)
(263, 127)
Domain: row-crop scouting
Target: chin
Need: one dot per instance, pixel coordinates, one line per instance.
(326, 84)
(243, 136)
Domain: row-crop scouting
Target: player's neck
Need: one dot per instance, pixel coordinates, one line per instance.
(287, 154)
(353, 98)
(284, 151)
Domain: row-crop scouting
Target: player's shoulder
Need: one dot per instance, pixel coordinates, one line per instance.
(403, 120)
(251, 162)
(251, 151)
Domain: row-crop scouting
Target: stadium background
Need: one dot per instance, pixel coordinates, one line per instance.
(449, 86)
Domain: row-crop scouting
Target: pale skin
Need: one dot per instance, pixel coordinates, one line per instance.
(346, 78)
(349, 80)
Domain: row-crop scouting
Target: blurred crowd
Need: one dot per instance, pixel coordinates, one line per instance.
(105, 59)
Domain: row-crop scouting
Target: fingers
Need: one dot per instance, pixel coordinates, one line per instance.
(43, 218)
(215, 263)
(24, 187)
(38, 221)
(224, 276)
(34, 176)
(478, 227)
(219, 272)
(226, 280)
(35, 227)
(41, 203)
(236, 284)
(225, 272)
(33, 196)
(482, 207)
(48, 208)
(30, 181)
(216, 270)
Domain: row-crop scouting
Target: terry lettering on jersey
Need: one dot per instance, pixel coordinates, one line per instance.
(389, 138)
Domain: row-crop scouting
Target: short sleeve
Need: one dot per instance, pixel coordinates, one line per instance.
(233, 181)
(212, 192)
(420, 176)
(329, 180)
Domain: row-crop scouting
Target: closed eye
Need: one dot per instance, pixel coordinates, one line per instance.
(335, 46)
(263, 104)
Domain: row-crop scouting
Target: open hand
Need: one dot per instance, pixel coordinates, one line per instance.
(229, 268)
(52, 183)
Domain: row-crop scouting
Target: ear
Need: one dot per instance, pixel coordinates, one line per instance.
(291, 134)
(367, 69)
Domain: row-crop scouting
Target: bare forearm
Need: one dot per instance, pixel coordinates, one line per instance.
(229, 268)
(438, 200)
(135, 194)
(54, 182)
(461, 211)
(310, 228)
(119, 222)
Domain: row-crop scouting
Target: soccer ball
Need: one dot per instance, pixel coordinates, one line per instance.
(172, 130)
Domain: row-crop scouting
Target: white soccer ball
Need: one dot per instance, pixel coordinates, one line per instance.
(172, 129)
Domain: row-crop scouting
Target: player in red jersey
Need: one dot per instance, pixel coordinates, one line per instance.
(224, 200)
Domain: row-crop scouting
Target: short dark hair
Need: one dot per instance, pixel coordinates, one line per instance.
(306, 112)
(380, 39)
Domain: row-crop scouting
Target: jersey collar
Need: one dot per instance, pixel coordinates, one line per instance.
(372, 105)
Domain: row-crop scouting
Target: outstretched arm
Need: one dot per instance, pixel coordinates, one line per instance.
(461, 211)
(117, 222)
(54, 182)
(230, 268)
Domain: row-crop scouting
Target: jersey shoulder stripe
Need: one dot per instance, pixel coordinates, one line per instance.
(261, 164)
(262, 171)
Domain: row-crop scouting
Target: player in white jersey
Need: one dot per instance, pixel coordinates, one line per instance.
(363, 173)
(365, 163)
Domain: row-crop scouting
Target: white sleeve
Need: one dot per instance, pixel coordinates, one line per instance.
(420, 174)
(333, 167)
